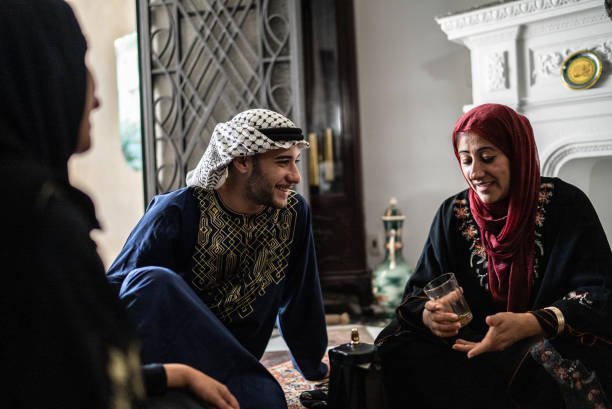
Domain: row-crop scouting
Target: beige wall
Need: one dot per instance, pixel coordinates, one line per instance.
(102, 172)
(413, 83)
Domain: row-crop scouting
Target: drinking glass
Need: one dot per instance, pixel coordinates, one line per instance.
(446, 288)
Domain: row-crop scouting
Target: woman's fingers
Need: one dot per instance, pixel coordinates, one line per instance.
(444, 324)
(439, 320)
(505, 329)
(432, 306)
(462, 345)
(445, 332)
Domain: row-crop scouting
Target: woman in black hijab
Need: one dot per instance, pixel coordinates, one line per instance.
(66, 342)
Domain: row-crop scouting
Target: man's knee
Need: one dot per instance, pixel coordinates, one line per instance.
(261, 391)
(151, 278)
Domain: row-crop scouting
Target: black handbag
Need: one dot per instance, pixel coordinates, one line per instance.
(355, 376)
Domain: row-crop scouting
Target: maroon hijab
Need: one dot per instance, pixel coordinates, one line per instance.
(507, 227)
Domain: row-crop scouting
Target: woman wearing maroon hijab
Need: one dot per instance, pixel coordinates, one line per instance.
(536, 269)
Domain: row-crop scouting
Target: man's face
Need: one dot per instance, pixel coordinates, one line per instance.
(274, 174)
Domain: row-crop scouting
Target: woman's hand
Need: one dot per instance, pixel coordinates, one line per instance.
(439, 320)
(201, 385)
(505, 329)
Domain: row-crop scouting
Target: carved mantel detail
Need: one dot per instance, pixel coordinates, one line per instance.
(501, 13)
(552, 164)
(497, 71)
(573, 20)
(547, 64)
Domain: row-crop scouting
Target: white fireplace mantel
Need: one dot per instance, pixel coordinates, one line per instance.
(514, 13)
(517, 49)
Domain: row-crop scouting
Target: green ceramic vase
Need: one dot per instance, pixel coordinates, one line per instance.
(391, 275)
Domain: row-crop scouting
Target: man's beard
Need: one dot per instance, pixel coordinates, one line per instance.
(259, 190)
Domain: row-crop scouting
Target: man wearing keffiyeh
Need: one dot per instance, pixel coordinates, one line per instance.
(211, 267)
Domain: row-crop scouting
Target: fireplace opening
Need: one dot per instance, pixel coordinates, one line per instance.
(594, 176)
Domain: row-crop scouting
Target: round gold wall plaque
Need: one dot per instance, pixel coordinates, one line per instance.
(581, 70)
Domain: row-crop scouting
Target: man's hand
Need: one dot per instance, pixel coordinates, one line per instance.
(505, 329)
(201, 385)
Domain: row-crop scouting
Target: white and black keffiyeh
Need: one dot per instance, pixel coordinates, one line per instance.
(248, 133)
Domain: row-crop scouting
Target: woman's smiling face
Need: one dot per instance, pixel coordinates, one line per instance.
(484, 166)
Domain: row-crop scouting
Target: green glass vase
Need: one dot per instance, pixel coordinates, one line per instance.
(391, 275)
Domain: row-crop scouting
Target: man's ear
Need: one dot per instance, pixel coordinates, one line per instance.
(242, 164)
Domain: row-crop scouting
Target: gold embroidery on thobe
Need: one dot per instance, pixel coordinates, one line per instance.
(237, 257)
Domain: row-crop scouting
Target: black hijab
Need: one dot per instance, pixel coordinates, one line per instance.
(64, 330)
(43, 82)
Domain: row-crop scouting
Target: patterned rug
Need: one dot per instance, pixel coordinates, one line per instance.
(279, 363)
